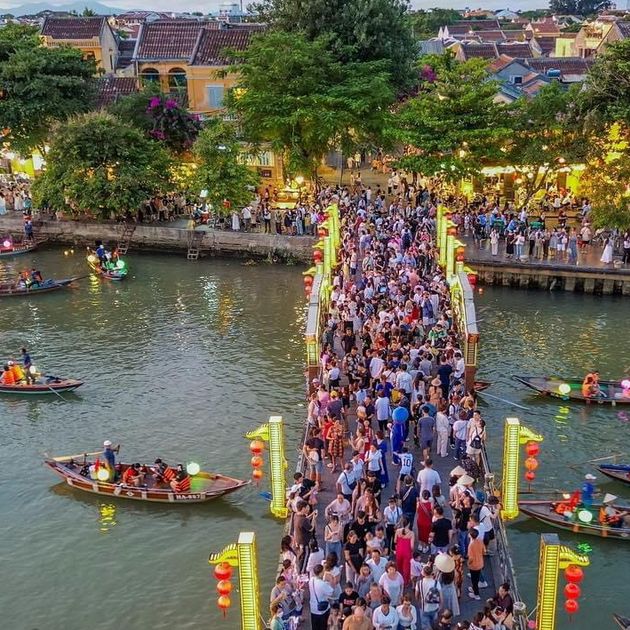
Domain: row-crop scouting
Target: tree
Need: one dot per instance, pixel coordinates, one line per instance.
(579, 7)
(545, 138)
(221, 168)
(358, 30)
(453, 124)
(606, 97)
(87, 12)
(294, 94)
(426, 24)
(15, 36)
(40, 86)
(99, 164)
(159, 117)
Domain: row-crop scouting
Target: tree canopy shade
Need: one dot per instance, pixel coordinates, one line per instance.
(99, 164)
(426, 24)
(579, 7)
(221, 170)
(15, 36)
(358, 30)
(606, 97)
(545, 137)
(453, 125)
(295, 95)
(40, 86)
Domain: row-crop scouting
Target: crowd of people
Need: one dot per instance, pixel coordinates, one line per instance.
(380, 539)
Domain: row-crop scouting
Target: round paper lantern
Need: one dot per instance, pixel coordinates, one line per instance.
(318, 256)
(257, 461)
(572, 591)
(224, 587)
(573, 574)
(531, 463)
(532, 449)
(571, 606)
(224, 603)
(193, 469)
(256, 446)
(102, 474)
(530, 476)
(564, 389)
(585, 516)
(257, 474)
(472, 279)
(223, 571)
(308, 281)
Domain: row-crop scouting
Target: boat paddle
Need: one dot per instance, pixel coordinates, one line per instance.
(503, 400)
(65, 458)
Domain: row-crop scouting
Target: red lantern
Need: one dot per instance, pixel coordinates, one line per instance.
(308, 281)
(572, 591)
(530, 476)
(321, 232)
(224, 603)
(223, 571)
(573, 574)
(318, 256)
(452, 231)
(224, 587)
(571, 606)
(256, 447)
(472, 279)
(257, 461)
(257, 474)
(459, 254)
(532, 449)
(531, 463)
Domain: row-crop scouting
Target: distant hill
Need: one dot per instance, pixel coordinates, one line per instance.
(78, 6)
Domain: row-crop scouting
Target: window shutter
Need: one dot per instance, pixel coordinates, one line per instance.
(215, 96)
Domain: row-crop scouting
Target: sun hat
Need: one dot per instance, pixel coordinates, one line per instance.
(107, 443)
(458, 471)
(609, 498)
(444, 563)
(590, 477)
(465, 480)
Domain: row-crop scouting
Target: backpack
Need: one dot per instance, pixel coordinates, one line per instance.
(432, 596)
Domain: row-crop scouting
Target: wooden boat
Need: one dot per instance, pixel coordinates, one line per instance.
(481, 384)
(619, 472)
(8, 289)
(109, 274)
(10, 248)
(550, 386)
(204, 487)
(544, 511)
(54, 386)
(621, 621)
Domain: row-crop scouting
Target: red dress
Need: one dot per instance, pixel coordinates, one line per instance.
(424, 521)
(403, 558)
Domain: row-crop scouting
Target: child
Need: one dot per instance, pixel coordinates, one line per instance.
(416, 568)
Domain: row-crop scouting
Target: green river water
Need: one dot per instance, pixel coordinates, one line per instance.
(179, 362)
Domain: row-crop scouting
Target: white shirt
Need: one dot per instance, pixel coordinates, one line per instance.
(406, 463)
(377, 569)
(411, 620)
(319, 591)
(374, 460)
(381, 405)
(427, 478)
(382, 621)
(376, 365)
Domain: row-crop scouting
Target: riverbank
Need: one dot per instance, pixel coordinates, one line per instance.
(166, 238)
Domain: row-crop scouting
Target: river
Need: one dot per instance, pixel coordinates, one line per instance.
(179, 361)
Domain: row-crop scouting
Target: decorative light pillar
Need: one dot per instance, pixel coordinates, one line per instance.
(273, 433)
(553, 557)
(244, 556)
(515, 435)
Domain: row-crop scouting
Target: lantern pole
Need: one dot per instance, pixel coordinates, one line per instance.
(515, 435)
(553, 557)
(273, 433)
(244, 556)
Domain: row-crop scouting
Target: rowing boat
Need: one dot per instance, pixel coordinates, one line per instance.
(204, 486)
(481, 384)
(120, 273)
(8, 248)
(613, 394)
(619, 472)
(55, 386)
(9, 289)
(545, 511)
(621, 621)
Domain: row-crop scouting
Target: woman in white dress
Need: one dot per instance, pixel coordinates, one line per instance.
(607, 255)
(494, 242)
(236, 221)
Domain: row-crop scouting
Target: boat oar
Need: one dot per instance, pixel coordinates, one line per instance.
(503, 400)
(65, 458)
(599, 459)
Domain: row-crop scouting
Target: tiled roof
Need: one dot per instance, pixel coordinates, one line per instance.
(490, 36)
(502, 61)
(170, 39)
(212, 44)
(255, 27)
(547, 44)
(624, 29)
(480, 51)
(566, 65)
(111, 88)
(514, 49)
(73, 28)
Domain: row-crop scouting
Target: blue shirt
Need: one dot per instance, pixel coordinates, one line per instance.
(26, 359)
(110, 457)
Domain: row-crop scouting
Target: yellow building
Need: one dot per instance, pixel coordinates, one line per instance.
(93, 36)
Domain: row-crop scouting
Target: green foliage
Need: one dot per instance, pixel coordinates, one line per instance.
(294, 94)
(545, 137)
(159, 117)
(220, 167)
(606, 98)
(358, 30)
(579, 7)
(16, 36)
(87, 12)
(453, 123)
(426, 24)
(99, 164)
(40, 86)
